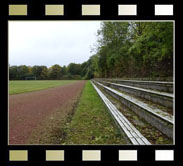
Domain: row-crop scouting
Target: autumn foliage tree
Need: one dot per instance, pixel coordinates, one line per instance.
(124, 49)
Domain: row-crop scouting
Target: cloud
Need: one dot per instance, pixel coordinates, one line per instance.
(51, 42)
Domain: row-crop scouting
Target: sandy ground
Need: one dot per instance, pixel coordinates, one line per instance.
(28, 110)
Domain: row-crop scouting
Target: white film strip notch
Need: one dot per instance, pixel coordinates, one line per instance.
(91, 155)
(92, 10)
(163, 10)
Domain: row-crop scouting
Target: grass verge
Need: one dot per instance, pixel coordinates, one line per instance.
(92, 123)
(16, 87)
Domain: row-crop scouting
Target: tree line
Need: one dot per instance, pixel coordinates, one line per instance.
(123, 49)
(134, 49)
(55, 72)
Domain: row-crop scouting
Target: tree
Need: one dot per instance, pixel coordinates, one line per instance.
(135, 49)
(124, 49)
(74, 69)
(55, 72)
(23, 72)
(44, 73)
(13, 72)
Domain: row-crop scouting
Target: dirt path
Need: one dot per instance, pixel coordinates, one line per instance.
(28, 110)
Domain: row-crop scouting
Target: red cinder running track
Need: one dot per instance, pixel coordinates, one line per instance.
(27, 110)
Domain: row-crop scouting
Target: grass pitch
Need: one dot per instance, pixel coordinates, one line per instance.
(16, 87)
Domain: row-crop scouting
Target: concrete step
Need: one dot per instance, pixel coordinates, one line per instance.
(135, 137)
(156, 117)
(153, 85)
(161, 98)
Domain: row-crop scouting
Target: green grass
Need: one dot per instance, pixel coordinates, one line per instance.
(16, 87)
(92, 123)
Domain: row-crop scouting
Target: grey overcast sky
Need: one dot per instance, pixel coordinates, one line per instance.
(51, 42)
